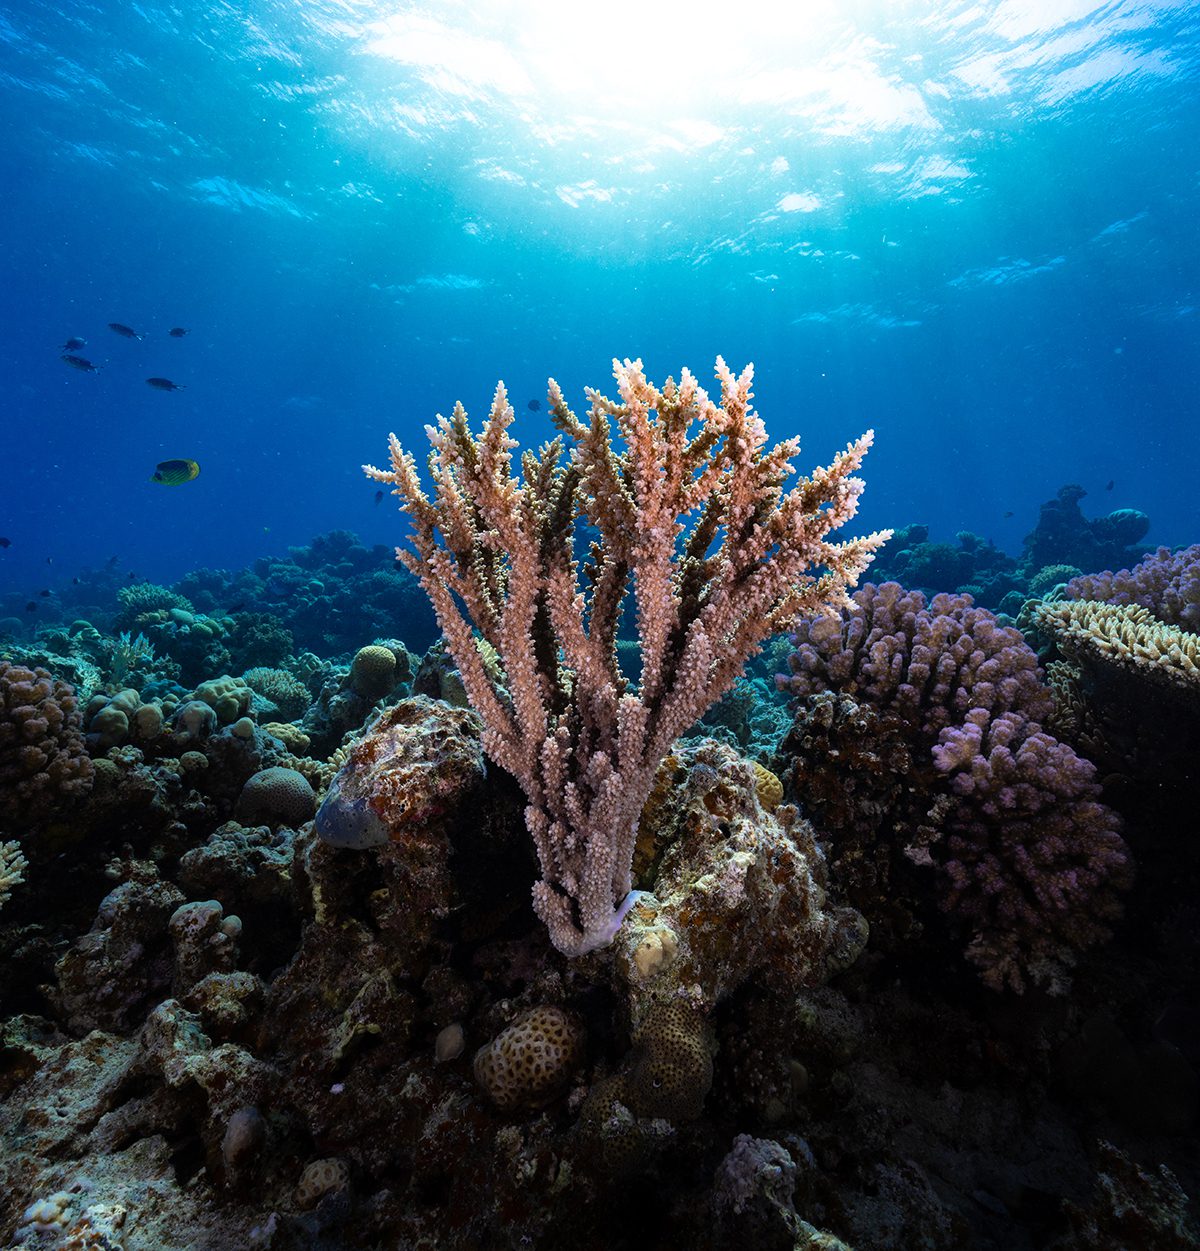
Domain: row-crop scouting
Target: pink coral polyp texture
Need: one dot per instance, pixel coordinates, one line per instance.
(42, 758)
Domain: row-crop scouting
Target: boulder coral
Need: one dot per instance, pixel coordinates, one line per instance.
(276, 796)
(417, 761)
(732, 891)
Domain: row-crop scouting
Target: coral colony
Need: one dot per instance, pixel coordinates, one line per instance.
(559, 715)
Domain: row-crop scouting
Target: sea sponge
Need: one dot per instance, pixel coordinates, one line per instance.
(530, 1062)
(276, 796)
(373, 672)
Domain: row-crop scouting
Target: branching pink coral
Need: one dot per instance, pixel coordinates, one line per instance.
(495, 553)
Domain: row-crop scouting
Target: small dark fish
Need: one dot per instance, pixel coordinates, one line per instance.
(534, 405)
(44, 594)
(5, 542)
(175, 472)
(73, 345)
(378, 497)
(132, 576)
(126, 332)
(49, 560)
(1009, 514)
(75, 581)
(177, 332)
(164, 384)
(1111, 483)
(79, 362)
(112, 560)
(237, 607)
(31, 606)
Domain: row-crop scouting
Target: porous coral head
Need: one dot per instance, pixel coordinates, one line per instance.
(673, 1070)
(530, 1062)
(276, 796)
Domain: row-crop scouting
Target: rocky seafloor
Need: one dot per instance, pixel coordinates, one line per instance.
(916, 964)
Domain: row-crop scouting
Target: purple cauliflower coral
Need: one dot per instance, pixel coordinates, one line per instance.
(1027, 860)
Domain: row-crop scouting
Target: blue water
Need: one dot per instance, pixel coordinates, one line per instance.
(970, 226)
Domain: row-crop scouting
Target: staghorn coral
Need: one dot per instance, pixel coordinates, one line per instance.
(496, 553)
(1027, 859)
(43, 765)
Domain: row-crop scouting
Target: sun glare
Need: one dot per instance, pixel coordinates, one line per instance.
(635, 60)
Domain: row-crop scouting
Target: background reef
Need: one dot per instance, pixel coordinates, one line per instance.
(915, 965)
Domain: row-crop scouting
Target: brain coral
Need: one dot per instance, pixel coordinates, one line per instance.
(276, 796)
(530, 1061)
(373, 672)
(42, 757)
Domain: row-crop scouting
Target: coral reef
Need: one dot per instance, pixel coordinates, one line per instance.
(228, 1021)
(1064, 536)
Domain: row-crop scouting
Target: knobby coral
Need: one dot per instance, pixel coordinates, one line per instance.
(1027, 857)
(495, 553)
(42, 759)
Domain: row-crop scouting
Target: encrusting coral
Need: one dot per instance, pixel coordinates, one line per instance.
(495, 553)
